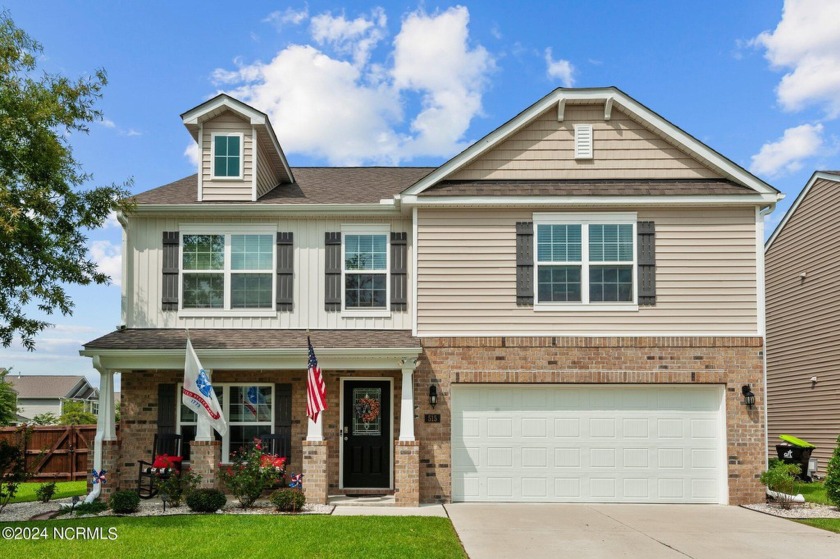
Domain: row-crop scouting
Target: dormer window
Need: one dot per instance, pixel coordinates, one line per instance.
(227, 156)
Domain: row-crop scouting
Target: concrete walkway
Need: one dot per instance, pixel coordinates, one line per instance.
(643, 531)
(361, 510)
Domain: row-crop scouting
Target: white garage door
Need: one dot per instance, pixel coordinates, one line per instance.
(584, 443)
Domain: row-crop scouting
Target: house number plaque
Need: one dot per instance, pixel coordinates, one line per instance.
(432, 418)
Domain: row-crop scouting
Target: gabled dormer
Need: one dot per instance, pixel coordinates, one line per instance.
(240, 157)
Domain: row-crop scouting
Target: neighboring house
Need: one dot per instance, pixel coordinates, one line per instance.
(581, 291)
(803, 319)
(39, 394)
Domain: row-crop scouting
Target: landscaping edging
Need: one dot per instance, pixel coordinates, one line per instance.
(796, 512)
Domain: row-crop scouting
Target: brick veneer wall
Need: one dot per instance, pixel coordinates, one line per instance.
(111, 466)
(642, 360)
(406, 473)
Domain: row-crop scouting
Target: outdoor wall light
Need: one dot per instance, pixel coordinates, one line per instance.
(433, 396)
(749, 397)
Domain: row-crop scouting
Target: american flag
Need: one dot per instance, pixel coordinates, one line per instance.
(316, 390)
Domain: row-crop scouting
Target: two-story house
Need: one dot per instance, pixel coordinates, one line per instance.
(570, 310)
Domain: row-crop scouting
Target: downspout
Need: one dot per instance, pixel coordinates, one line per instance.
(762, 213)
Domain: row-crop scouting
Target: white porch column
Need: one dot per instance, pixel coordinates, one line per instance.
(407, 400)
(203, 429)
(315, 429)
(105, 418)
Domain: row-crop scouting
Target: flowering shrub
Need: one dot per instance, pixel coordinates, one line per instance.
(252, 473)
(177, 485)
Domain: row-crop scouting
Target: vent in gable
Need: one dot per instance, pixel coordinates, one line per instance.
(583, 141)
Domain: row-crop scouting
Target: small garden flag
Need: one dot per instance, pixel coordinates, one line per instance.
(316, 390)
(198, 393)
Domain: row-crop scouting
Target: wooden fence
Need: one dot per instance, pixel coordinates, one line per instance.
(56, 452)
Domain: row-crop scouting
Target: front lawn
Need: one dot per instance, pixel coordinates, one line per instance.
(246, 535)
(813, 492)
(832, 524)
(26, 491)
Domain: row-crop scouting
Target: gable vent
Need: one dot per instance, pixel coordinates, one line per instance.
(583, 141)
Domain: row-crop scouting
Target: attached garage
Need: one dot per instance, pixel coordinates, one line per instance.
(589, 443)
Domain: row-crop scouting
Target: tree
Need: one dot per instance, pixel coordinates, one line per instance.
(44, 205)
(8, 401)
(46, 418)
(832, 477)
(73, 413)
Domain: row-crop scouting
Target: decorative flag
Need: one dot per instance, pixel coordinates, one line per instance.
(99, 477)
(316, 390)
(253, 398)
(198, 394)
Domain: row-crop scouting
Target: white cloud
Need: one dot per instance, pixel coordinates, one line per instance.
(278, 18)
(786, 155)
(332, 100)
(357, 37)
(806, 43)
(111, 222)
(108, 259)
(192, 154)
(559, 69)
(107, 123)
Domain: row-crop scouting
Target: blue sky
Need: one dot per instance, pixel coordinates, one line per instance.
(412, 83)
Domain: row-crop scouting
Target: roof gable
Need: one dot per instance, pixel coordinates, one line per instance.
(699, 161)
(48, 386)
(818, 176)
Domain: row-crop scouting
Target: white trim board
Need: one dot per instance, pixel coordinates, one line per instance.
(818, 175)
(614, 96)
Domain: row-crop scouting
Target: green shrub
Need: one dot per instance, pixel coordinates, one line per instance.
(85, 508)
(178, 486)
(45, 492)
(252, 473)
(832, 477)
(287, 499)
(781, 478)
(124, 502)
(206, 500)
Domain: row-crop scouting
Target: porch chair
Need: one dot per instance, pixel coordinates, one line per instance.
(278, 444)
(165, 444)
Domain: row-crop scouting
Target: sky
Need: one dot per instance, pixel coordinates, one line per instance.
(413, 83)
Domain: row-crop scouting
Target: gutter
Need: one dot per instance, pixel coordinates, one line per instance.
(387, 207)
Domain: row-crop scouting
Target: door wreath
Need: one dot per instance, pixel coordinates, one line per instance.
(367, 409)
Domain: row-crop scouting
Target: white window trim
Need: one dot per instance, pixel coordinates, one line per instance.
(584, 220)
(193, 229)
(361, 229)
(225, 413)
(213, 175)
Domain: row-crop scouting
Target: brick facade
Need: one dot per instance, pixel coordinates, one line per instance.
(111, 465)
(731, 362)
(204, 460)
(406, 473)
(315, 472)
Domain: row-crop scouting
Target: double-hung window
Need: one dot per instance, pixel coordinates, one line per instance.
(247, 408)
(227, 156)
(365, 269)
(585, 261)
(227, 271)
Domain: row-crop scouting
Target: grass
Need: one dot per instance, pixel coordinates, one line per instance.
(26, 491)
(831, 524)
(259, 536)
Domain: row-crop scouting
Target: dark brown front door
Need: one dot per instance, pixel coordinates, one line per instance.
(367, 433)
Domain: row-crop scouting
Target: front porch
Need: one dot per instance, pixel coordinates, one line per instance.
(266, 394)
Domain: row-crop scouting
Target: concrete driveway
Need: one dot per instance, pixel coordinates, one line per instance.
(644, 531)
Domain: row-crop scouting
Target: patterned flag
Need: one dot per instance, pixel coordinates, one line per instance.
(198, 394)
(316, 390)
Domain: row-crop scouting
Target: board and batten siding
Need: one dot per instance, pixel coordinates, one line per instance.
(623, 149)
(803, 324)
(227, 189)
(705, 277)
(143, 288)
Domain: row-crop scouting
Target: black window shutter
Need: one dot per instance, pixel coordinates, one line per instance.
(399, 271)
(332, 272)
(166, 408)
(283, 417)
(646, 248)
(525, 264)
(285, 272)
(169, 298)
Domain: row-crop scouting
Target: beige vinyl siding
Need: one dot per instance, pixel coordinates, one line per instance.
(143, 288)
(265, 177)
(227, 189)
(623, 149)
(803, 324)
(705, 277)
